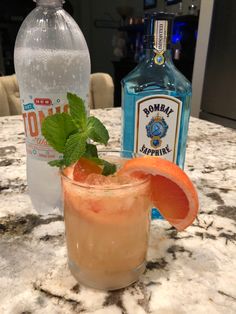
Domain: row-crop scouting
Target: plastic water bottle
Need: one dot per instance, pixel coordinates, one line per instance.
(51, 58)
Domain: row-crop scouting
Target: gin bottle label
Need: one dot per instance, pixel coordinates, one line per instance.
(157, 125)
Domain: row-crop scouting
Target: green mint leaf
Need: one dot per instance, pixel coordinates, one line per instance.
(96, 131)
(56, 163)
(57, 128)
(91, 151)
(77, 110)
(75, 148)
(108, 168)
(69, 133)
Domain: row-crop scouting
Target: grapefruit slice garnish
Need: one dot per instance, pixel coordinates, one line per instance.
(172, 192)
(83, 168)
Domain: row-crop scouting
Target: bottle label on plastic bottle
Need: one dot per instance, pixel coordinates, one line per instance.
(157, 126)
(35, 109)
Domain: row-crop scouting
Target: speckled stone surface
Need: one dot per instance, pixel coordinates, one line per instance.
(188, 272)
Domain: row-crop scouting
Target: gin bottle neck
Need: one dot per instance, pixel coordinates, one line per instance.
(151, 54)
(49, 3)
(157, 39)
(152, 57)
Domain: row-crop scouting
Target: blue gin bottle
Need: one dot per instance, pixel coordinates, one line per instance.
(156, 98)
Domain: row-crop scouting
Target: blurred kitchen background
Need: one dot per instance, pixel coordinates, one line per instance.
(203, 44)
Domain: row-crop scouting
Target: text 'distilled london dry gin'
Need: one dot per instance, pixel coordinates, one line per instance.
(156, 98)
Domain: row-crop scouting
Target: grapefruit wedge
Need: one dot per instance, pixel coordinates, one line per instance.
(172, 191)
(83, 168)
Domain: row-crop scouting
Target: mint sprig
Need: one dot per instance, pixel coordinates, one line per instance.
(69, 133)
(96, 131)
(108, 168)
(91, 151)
(56, 163)
(75, 148)
(57, 129)
(77, 111)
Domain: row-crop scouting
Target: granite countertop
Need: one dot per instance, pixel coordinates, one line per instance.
(188, 272)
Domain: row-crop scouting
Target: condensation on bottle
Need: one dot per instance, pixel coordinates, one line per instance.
(51, 58)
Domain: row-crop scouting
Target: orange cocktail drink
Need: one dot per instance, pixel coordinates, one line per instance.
(107, 227)
(107, 199)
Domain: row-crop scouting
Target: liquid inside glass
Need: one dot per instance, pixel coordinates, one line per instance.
(107, 228)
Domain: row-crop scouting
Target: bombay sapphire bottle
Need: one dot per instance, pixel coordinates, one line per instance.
(156, 98)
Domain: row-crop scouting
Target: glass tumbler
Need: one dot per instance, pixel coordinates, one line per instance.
(107, 228)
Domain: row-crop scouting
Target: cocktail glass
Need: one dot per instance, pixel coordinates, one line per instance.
(107, 228)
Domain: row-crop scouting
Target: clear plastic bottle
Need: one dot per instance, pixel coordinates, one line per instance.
(51, 58)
